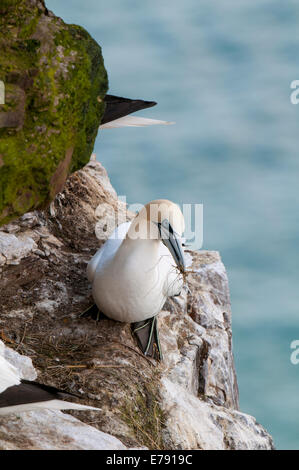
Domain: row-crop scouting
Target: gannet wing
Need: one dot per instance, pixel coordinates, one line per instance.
(9, 375)
(45, 405)
(28, 396)
(134, 121)
(117, 107)
(22, 395)
(117, 112)
(92, 265)
(107, 250)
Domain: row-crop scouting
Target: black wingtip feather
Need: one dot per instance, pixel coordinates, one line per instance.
(31, 392)
(118, 107)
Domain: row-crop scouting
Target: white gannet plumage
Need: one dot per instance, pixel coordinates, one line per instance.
(17, 395)
(131, 274)
(134, 121)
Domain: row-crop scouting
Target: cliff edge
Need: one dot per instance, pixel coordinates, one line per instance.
(189, 401)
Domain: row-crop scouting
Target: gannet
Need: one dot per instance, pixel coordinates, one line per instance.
(117, 110)
(138, 267)
(17, 395)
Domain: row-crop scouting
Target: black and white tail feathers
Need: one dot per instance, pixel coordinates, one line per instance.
(118, 109)
(18, 395)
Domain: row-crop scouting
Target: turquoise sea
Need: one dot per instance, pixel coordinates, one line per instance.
(222, 72)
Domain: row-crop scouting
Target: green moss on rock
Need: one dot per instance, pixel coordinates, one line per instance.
(55, 82)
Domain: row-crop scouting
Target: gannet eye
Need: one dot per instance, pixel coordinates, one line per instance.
(165, 223)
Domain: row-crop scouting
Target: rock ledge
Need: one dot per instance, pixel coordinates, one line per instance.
(190, 401)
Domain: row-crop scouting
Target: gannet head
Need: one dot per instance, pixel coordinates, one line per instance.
(161, 220)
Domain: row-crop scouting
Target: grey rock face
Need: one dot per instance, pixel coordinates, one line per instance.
(49, 430)
(190, 401)
(197, 424)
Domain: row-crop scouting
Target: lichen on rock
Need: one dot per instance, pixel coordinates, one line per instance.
(55, 82)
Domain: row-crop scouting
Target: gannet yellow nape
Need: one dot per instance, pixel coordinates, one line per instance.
(18, 395)
(117, 112)
(138, 268)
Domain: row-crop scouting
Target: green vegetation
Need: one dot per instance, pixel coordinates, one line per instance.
(55, 82)
(144, 416)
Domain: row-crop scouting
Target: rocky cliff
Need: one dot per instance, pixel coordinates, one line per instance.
(55, 82)
(190, 401)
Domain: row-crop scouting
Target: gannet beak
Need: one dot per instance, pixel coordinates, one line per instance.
(172, 241)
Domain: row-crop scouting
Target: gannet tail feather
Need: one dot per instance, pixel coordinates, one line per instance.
(147, 335)
(133, 121)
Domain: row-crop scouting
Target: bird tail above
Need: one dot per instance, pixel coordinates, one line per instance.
(133, 121)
